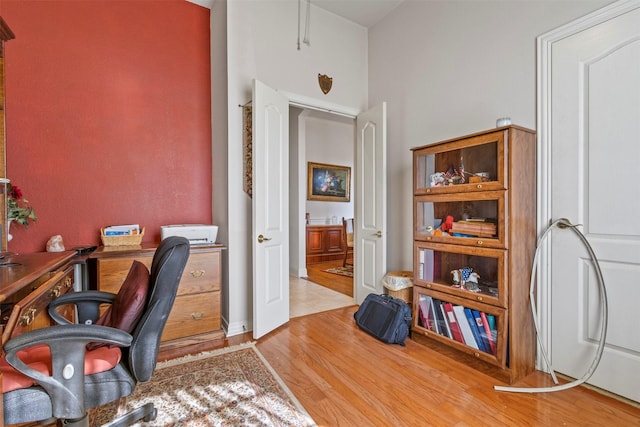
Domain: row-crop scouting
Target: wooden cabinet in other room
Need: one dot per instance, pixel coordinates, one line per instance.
(324, 243)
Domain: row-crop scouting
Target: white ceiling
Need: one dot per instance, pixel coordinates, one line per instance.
(364, 12)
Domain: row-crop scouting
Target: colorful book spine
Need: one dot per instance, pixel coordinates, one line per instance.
(474, 329)
(439, 316)
(483, 335)
(432, 316)
(423, 311)
(447, 327)
(487, 329)
(464, 327)
(494, 329)
(453, 323)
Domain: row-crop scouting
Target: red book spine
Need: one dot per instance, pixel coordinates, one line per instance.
(453, 323)
(487, 328)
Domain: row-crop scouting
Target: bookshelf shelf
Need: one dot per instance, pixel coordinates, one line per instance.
(474, 238)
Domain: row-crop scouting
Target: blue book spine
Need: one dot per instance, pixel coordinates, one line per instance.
(474, 329)
(482, 331)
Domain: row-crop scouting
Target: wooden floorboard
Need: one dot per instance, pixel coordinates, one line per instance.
(344, 377)
(336, 282)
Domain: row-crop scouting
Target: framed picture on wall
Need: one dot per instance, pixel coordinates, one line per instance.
(329, 183)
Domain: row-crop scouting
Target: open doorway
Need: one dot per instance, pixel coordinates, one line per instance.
(327, 138)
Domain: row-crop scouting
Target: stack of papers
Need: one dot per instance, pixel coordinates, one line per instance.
(122, 230)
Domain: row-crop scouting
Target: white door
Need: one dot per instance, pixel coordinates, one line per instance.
(591, 129)
(270, 207)
(370, 244)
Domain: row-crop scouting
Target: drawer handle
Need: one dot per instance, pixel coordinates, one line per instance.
(480, 242)
(55, 292)
(476, 354)
(197, 273)
(479, 186)
(27, 318)
(480, 299)
(197, 316)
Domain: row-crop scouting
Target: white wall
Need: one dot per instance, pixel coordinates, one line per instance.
(447, 69)
(330, 139)
(219, 109)
(261, 43)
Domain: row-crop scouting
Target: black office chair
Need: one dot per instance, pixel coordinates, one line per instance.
(67, 393)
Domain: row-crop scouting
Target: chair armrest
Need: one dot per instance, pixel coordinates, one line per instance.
(68, 345)
(87, 304)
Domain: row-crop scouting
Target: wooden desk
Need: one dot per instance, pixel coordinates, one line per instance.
(27, 283)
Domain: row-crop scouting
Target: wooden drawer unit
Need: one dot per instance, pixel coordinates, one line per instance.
(195, 317)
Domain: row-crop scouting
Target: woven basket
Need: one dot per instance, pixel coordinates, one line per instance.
(405, 294)
(125, 240)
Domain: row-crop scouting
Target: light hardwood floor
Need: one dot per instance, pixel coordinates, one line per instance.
(338, 283)
(344, 377)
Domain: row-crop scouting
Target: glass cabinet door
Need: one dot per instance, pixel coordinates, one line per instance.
(475, 164)
(462, 218)
(476, 275)
(479, 330)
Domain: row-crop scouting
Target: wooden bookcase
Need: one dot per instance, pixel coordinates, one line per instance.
(489, 227)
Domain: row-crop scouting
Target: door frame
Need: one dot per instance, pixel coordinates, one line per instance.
(308, 103)
(544, 44)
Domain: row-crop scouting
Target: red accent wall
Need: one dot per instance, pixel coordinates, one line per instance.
(108, 116)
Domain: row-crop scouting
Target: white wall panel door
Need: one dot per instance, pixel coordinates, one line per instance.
(591, 129)
(270, 209)
(370, 253)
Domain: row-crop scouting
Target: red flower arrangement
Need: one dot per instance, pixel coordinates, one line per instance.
(18, 208)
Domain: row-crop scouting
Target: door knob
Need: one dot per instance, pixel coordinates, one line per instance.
(378, 234)
(261, 238)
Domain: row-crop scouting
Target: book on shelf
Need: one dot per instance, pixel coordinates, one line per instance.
(478, 228)
(487, 329)
(453, 323)
(440, 323)
(423, 312)
(445, 322)
(433, 320)
(492, 325)
(483, 334)
(474, 329)
(464, 327)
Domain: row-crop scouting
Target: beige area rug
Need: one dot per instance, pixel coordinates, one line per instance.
(343, 271)
(234, 386)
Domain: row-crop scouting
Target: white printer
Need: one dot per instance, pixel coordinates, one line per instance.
(197, 234)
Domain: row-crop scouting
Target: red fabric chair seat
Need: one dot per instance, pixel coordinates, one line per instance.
(39, 357)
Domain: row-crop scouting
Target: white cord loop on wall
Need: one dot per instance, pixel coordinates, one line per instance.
(564, 223)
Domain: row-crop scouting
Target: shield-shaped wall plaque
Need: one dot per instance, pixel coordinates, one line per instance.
(325, 83)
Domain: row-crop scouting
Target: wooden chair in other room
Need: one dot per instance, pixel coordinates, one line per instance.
(347, 241)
